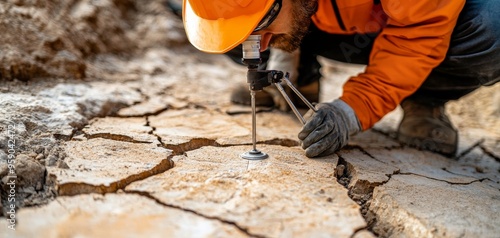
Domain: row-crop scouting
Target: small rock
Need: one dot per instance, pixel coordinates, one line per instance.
(39, 157)
(3, 156)
(64, 133)
(344, 181)
(29, 190)
(5, 180)
(39, 149)
(51, 160)
(62, 165)
(39, 186)
(83, 10)
(479, 169)
(29, 172)
(80, 137)
(340, 170)
(3, 170)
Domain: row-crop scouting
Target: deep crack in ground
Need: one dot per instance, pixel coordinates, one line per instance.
(343, 176)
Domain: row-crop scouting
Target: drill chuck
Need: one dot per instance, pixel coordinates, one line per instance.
(251, 51)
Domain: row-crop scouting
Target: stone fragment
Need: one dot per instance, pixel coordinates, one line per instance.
(80, 137)
(101, 165)
(415, 206)
(114, 128)
(114, 215)
(286, 195)
(62, 165)
(64, 133)
(39, 157)
(51, 160)
(28, 171)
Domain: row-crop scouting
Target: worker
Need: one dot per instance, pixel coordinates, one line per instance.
(419, 54)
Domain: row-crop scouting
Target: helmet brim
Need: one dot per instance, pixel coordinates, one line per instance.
(221, 35)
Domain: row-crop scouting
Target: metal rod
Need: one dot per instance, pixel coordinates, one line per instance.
(254, 154)
(294, 109)
(254, 119)
(287, 81)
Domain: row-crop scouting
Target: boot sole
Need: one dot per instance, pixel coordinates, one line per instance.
(429, 144)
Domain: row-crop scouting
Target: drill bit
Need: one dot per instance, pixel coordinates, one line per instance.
(254, 154)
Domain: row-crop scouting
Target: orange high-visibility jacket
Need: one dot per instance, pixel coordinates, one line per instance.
(414, 38)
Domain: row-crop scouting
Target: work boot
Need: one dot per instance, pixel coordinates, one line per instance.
(270, 96)
(427, 127)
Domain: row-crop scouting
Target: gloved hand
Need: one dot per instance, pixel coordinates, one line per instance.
(329, 129)
(286, 62)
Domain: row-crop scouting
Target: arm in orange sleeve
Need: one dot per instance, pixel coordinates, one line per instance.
(414, 41)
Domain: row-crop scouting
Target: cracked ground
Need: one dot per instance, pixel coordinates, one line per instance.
(148, 145)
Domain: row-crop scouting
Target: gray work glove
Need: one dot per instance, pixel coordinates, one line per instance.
(329, 129)
(286, 62)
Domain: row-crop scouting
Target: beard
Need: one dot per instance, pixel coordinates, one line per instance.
(302, 11)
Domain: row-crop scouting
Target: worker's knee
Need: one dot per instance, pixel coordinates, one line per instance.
(475, 44)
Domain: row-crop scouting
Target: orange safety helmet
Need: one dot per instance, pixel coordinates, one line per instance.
(217, 26)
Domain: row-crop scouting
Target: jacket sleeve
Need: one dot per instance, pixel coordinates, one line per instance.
(414, 41)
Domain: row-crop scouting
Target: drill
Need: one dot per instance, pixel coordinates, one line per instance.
(258, 80)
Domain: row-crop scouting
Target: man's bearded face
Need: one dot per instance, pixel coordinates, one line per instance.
(302, 11)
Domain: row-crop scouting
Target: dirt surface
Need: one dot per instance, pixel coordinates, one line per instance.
(57, 71)
(56, 38)
(105, 108)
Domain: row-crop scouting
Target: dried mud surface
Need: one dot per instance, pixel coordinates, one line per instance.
(122, 126)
